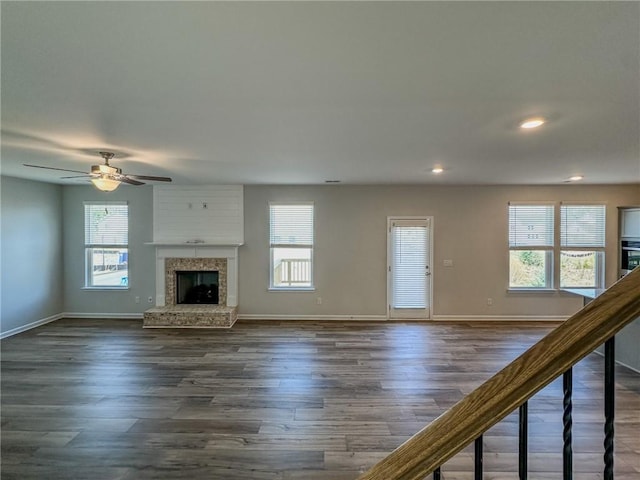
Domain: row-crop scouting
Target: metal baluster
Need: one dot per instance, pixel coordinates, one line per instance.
(436, 474)
(609, 404)
(478, 460)
(523, 444)
(567, 422)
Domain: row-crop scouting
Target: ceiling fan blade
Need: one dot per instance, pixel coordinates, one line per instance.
(54, 168)
(130, 181)
(78, 176)
(149, 177)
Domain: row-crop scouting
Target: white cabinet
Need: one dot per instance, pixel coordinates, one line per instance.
(630, 223)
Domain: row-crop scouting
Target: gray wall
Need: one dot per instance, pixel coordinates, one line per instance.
(470, 227)
(627, 342)
(141, 257)
(350, 255)
(31, 252)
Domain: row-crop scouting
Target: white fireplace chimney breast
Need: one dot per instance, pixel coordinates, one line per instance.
(209, 214)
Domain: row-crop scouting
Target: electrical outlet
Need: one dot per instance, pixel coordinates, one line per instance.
(150, 299)
(319, 301)
(447, 263)
(137, 299)
(489, 301)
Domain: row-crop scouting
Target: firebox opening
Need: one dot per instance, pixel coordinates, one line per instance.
(197, 287)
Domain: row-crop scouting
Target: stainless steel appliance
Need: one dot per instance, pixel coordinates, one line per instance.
(629, 256)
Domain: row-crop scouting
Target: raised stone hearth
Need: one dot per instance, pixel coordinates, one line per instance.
(190, 316)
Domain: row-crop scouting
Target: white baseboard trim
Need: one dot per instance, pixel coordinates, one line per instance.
(29, 326)
(499, 318)
(383, 318)
(619, 362)
(270, 316)
(379, 318)
(627, 366)
(117, 316)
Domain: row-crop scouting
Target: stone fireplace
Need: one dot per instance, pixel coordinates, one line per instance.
(196, 263)
(176, 266)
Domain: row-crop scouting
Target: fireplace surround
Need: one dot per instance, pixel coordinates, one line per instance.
(168, 312)
(175, 265)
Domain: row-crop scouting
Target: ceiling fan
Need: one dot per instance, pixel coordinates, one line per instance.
(105, 177)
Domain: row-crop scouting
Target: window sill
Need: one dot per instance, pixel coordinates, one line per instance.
(105, 288)
(532, 290)
(291, 289)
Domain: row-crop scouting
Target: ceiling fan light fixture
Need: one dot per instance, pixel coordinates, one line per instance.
(105, 184)
(105, 169)
(105, 177)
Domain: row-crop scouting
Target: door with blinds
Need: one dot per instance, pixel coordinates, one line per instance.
(409, 269)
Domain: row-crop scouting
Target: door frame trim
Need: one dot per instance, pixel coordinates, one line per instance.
(429, 293)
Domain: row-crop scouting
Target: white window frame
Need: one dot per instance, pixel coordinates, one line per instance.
(597, 247)
(272, 246)
(88, 248)
(553, 253)
(548, 249)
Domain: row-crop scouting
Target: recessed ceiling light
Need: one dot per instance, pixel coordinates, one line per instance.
(576, 178)
(532, 123)
(437, 169)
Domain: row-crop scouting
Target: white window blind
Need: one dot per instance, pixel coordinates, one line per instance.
(530, 225)
(582, 225)
(106, 224)
(409, 244)
(291, 225)
(106, 238)
(291, 242)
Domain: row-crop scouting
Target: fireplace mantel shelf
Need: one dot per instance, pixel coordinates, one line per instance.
(192, 244)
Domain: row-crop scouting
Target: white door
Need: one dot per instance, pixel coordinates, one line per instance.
(409, 271)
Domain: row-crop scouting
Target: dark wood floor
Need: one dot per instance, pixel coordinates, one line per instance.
(105, 399)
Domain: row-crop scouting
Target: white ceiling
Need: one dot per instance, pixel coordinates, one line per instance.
(303, 92)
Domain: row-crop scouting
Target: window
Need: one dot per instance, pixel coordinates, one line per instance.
(106, 238)
(582, 241)
(540, 252)
(531, 242)
(291, 242)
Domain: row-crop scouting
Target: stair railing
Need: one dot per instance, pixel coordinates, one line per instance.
(513, 386)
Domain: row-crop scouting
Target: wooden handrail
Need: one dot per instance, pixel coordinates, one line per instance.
(562, 348)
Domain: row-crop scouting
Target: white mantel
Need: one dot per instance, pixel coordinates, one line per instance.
(197, 250)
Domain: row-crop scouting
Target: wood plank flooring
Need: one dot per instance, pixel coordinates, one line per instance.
(105, 399)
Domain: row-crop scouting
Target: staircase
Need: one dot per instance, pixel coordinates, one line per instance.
(511, 388)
